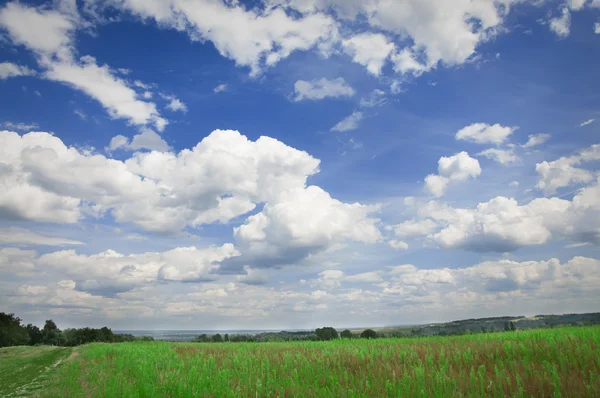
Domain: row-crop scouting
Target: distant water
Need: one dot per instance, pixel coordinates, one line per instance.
(186, 335)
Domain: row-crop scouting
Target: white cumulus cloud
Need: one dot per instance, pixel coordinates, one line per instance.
(222, 177)
(445, 32)
(482, 133)
(370, 50)
(562, 172)
(456, 168)
(304, 221)
(504, 225)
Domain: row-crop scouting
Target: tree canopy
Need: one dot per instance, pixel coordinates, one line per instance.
(369, 334)
(13, 333)
(326, 333)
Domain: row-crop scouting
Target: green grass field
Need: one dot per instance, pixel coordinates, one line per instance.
(561, 362)
(24, 371)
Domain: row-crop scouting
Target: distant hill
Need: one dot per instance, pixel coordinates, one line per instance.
(495, 324)
(465, 326)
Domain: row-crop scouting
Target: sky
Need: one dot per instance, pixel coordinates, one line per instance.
(280, 164)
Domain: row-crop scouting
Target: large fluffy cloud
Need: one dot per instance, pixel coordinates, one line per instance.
(301, 222)
(222, 177)
(498, 225)
(503, 225)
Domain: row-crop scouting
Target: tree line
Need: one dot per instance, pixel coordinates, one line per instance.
(329, 333)
(13, 333)
(320, 334)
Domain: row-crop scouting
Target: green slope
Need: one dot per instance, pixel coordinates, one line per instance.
(24, 370)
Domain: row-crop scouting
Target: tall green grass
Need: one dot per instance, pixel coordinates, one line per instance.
(561, 362)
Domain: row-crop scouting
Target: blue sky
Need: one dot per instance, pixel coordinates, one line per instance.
(419, 161)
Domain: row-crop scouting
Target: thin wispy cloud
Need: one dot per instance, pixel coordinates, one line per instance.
(349, 123)
(220, 88)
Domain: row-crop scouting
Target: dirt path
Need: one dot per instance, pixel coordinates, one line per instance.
(74, 354)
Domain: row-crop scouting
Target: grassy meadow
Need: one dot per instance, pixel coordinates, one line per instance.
(562, 362)
(24, 370)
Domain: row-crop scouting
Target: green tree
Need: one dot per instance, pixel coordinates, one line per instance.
(346, 334)
(226, 338)
(369, 334)
(11, 331)
(51, 334)
(35, 334)
(107, 335)
(326, 333)
(203, 338)
(217, 338)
